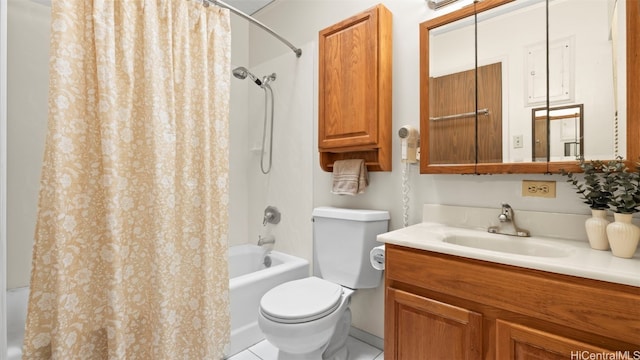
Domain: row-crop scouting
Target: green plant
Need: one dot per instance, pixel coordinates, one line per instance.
(624, 185)
(594, 190)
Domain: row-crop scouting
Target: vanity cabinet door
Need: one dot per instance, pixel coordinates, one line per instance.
(515, 341)
(423, 328)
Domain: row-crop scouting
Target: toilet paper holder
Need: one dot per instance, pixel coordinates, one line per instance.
(376, 256)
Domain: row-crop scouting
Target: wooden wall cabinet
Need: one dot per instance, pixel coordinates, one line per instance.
(446, 307)
(354, 107)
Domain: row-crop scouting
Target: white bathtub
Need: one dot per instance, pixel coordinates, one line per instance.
(249, 280)
(16, 316)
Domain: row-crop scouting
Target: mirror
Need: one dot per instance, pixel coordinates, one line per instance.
(590, 44)
(452, 117)
(586, 66)
(519, 80)
(558, 135)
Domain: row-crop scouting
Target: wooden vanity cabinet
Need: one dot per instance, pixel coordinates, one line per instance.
(515, 341)
(430, 329)
(440, 306)
(354, 90)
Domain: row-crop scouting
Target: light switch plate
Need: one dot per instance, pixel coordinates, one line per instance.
(517, 141)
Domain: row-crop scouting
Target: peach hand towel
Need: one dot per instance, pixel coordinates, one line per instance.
(350, 177)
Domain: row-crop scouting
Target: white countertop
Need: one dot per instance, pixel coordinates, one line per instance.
(580, 259)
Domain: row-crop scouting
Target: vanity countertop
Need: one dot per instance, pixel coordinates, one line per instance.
(580, 259)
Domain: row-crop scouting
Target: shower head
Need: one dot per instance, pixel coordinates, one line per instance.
(241, 73)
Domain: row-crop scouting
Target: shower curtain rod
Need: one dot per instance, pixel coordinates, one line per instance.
(296, 50)
(223, 4)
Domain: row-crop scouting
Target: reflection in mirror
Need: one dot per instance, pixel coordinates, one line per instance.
(558, 136)
(452, 126)
(506, 36)
(453, 136)
(584, 67)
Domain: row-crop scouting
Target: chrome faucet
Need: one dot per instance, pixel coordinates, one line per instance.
(271, 215)
(269, 239)
(507, 224)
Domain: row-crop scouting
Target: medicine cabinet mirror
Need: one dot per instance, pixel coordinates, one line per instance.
(483, 84)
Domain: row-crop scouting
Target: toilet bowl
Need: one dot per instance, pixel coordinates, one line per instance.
(307, 319)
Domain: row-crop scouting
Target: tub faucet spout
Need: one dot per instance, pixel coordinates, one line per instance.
(269, 239)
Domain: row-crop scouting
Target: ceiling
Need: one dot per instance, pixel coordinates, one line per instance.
(248, 7)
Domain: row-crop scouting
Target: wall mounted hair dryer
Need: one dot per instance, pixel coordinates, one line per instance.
(410, 141)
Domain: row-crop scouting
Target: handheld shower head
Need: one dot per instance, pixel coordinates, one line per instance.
(241, 73)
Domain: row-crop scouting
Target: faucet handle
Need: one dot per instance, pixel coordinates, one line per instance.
(506, 213)
(271, 215)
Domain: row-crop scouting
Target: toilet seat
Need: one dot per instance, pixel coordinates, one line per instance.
(301, 300)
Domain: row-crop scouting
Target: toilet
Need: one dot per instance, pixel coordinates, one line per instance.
(309, 319)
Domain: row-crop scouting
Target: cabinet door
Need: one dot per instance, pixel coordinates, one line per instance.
(348, 76)
(419, 328)
(514, 341)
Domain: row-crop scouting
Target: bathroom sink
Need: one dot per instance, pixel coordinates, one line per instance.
(507, 244)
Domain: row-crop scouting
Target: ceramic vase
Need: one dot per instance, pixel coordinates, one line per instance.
(596, 227)
(623, 236)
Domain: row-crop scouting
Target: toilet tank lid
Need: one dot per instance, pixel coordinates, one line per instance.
(350, 214)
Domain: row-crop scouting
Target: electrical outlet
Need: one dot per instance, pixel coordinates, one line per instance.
(539, 188)
(517, 141)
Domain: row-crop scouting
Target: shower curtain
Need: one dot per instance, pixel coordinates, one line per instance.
(131, 238)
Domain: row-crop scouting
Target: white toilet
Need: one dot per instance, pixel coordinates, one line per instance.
(309, 319)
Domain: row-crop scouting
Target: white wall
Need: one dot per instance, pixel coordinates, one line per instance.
(288, 186)
(3, 178)
(238, 143)
(28, 77)
(299, 21)
(593, 68)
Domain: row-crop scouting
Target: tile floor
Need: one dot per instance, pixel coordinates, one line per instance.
(358, 350)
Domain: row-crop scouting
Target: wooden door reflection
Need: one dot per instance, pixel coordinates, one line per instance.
(452, 132)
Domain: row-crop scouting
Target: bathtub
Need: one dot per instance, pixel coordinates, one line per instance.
(16, 317)
(249, 279)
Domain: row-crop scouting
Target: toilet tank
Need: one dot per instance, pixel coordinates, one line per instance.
(342, 241)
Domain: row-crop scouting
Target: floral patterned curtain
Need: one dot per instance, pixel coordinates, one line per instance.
(131, 238)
